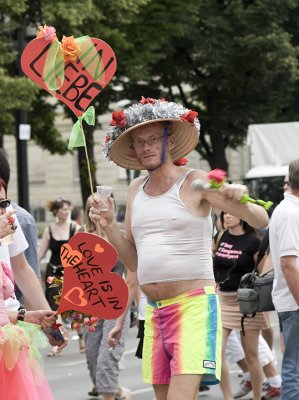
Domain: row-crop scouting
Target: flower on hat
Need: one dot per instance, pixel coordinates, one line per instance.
(118, 118)
(46, 32)
(147, 100)
(145, 111)
(189, 116)
(70, 48)
(181, 162)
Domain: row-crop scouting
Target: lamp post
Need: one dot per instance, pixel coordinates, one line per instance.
(21, 141)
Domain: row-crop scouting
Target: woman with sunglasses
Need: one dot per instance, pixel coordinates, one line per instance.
(7, 222)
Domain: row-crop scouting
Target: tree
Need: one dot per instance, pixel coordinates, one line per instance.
(234, 61)
(15, 92)
(93, 17)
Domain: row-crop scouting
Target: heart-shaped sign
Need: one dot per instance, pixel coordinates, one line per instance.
(89, 284)
(76, 296)
(79, 87)
(98, 248)
(73, 256)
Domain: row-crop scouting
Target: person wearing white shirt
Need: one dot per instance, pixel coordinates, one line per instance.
(284, 247)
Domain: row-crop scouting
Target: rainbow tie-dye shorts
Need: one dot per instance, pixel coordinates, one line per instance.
(183, 335)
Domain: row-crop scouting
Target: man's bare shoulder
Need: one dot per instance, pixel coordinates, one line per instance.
(134, 186)
(137, 182)
(197, 174)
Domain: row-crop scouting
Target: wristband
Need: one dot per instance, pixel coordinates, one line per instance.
(21, 314)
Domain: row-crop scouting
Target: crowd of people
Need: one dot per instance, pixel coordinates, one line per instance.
(184, 280)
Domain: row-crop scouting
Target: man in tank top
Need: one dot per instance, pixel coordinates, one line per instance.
(168, 241)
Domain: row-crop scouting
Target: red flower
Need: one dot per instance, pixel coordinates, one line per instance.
(189, 116)
(181, 162)
(218, 175)
(106, 139)
(10, 220)
(147, 100)
(56, 326)
(118, 118)
(86, 321)
(150, 100)
(50, 279)
(76, 325)
(91, 328)
(94, 320)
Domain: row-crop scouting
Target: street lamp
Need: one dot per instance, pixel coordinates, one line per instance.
(22, 132)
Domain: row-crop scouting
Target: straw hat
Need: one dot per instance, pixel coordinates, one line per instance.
(184, 127)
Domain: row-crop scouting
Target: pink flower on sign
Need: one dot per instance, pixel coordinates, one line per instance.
(50, 279)
(91, 328)
(218, 175)
(50, 33)
(46, 32)
(118, 118)
(189, 116)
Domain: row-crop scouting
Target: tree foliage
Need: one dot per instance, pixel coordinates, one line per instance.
(235, 61)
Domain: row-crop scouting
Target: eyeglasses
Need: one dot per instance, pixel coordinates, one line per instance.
(5, 203)
(138, 143)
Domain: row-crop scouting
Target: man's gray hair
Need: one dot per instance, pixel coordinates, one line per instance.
(294, 174)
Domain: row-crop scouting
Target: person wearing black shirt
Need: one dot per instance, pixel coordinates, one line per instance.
(235, 256)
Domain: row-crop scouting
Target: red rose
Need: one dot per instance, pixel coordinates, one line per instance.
(118, 118)
(189, 116)
(147, 100)
(10, 220)
(181, 162)
(56, 326)
(218, 175)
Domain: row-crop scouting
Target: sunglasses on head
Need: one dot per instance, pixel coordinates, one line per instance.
(4, 203)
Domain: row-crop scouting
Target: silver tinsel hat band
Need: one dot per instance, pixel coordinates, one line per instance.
(184, 126)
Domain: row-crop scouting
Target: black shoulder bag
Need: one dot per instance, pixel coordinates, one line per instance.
(254, 293)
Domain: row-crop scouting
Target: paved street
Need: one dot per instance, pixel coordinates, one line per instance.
(69, 379)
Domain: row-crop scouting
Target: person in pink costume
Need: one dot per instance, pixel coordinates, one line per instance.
(21, 375)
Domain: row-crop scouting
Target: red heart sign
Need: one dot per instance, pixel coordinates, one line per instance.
(76, 297)
(74, 257)
(79, 88)
(89, 285)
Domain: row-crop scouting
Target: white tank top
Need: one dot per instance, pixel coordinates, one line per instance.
(172, 243)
